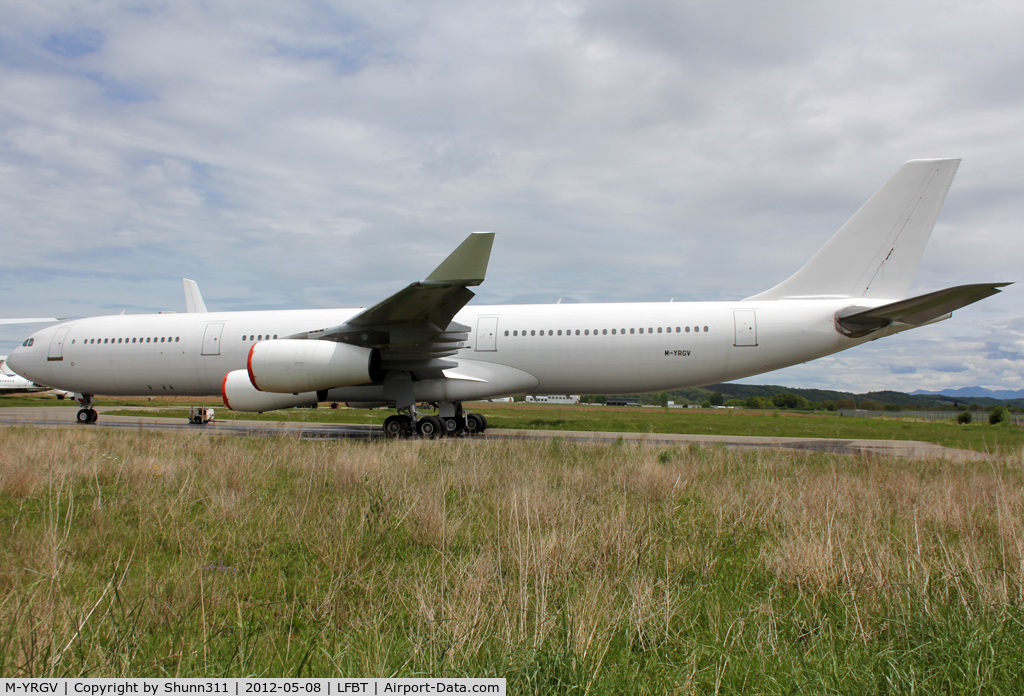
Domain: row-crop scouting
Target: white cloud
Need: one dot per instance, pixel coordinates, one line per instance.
(324, 154)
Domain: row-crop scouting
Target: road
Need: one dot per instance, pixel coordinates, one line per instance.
(65, 417)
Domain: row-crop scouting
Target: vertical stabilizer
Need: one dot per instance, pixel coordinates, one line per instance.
(876, 253)
(193, 300)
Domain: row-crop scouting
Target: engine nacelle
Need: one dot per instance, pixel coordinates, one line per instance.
(239, 395)
(294, 366)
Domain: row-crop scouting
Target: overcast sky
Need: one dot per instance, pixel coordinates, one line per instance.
(324, 154)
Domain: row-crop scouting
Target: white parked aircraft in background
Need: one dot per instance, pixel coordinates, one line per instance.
(424, 344)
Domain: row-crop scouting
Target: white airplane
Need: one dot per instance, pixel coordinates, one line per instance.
(425, 344)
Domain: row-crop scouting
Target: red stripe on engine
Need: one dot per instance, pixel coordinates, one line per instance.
(224, 392)
(248, 367)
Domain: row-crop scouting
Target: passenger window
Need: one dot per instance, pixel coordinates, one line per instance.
(659, 329)
(696, 329)
(577, 332)
(687, 329)
(147, 339)
(275, 336)
(650, 330)
(678, 330)
(622, 331)
(119, 340)
(613, 332)
(586, 332)
(632, 331)
(133, 340)
(177, 338)
(104, 340)
(641, 330)
(705, 329)
(161, 339)
(260, 337)
(551, 332)
(532, 332)
(559, 332)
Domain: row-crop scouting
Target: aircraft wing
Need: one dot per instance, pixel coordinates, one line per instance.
(859, 321)
(413, 328)
(32, 320)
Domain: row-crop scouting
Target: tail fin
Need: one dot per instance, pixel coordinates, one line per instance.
(193, 299)
(876, 253)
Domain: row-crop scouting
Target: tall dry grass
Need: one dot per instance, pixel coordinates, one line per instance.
(561, 566)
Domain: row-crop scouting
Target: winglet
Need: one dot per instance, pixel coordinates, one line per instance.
(467, 265)
(193, 300)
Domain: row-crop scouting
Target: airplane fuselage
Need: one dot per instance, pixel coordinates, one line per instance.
(426, 343)
(512, 349)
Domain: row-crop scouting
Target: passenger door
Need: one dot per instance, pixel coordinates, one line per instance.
(211, 339)
(746, 327)
(487, 334)
(56, 353)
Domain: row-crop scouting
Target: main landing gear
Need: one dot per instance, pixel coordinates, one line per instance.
(450, 422)
(87, 414)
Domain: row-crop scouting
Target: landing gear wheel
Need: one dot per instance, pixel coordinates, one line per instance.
(87, 416)
(429, 427)
(395, 426)
(451, 425)
(475, 423)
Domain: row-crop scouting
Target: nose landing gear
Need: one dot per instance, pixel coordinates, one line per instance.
(87, 415)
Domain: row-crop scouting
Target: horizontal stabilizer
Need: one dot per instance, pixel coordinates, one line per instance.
(860, 321)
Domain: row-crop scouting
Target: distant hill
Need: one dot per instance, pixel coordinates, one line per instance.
(919, 399)
(973, 392)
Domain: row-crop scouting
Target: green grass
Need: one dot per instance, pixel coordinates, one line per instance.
(565, 568)
(978, 436)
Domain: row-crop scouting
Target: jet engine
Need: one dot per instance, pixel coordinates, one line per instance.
(294, 366)
(239, 395)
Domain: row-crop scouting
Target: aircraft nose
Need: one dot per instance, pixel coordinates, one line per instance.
(24, 357)
(16, 360)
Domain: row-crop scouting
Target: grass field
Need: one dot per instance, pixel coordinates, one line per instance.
(562, 567)
(978, 436)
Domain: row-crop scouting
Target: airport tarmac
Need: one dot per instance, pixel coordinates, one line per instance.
(64, 416)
